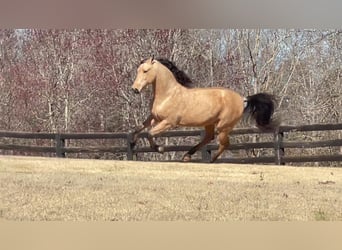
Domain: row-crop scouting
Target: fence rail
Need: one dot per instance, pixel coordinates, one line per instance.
(278, 144)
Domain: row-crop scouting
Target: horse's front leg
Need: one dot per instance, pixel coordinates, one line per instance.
(159, 128)
(146, 124)
(149, 122)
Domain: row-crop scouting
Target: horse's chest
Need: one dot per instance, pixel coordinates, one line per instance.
(162, 110)
(158, 113)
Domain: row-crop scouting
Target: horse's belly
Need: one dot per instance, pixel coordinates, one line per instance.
(199, 118)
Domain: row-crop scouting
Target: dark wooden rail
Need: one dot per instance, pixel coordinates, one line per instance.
(279, 144)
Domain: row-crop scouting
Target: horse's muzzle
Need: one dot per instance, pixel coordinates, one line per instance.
(135, 90)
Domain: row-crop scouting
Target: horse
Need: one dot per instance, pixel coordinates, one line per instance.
(176, 103)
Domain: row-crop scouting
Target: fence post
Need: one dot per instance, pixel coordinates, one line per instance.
(206, 154)
(130, 152)
(279, 150)
(60, 144)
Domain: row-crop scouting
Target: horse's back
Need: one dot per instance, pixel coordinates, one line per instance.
(220, 96)
(210, 105)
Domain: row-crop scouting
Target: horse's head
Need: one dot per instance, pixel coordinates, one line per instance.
(146, 74)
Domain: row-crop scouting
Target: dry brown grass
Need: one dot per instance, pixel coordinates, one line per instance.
(95, 190)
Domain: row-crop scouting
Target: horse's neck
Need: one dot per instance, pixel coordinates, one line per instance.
(164, 86)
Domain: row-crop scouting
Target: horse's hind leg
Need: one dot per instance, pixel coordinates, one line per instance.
(209, 135)
(223, 144)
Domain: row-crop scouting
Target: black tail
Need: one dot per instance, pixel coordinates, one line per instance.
(261, 107)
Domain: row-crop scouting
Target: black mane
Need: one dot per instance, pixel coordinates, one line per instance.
(180, 75)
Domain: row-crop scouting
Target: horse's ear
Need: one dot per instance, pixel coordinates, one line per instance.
(152, 59)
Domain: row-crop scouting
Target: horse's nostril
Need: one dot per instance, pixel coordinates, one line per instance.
(136, 90)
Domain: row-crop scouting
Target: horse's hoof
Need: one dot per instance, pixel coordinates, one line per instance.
(212, 160)
(187, 158)
(160, 149)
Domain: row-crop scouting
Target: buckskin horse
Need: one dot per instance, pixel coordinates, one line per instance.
(176, 104)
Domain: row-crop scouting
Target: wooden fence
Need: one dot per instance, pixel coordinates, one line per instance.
(278, 145)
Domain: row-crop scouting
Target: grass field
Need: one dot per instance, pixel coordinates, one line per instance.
(44, 189)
